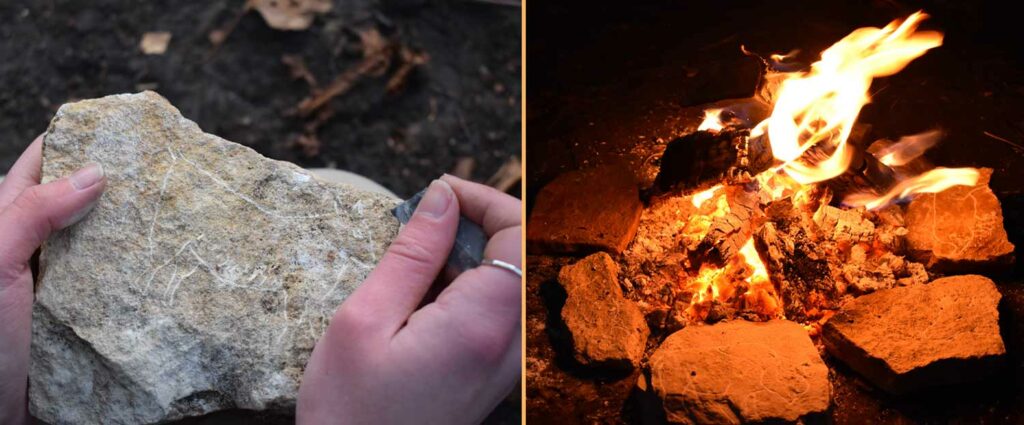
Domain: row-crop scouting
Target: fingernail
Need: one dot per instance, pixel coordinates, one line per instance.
(437, 200)
(86, 176)
(80, 214)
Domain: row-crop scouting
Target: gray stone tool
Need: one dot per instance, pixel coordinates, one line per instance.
(470, 239)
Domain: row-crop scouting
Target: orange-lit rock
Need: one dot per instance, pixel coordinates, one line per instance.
(596, 209)
(908, 338)
(959, 229)
(739, 372)
(607, 330)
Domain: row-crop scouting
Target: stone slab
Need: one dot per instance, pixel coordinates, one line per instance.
(580, 212)
(607, 330)
(959, 229)
(739, 372)
(910, 338)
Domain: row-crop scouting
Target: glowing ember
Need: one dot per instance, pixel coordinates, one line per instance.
(743, 282)
(712, 120)
(700, 198)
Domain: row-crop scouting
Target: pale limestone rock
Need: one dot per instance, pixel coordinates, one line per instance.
(202, 278)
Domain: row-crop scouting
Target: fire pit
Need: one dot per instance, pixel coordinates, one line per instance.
(776, 253)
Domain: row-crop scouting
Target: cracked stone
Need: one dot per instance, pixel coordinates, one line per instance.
(739, 372)
(959, 229)
(607, 330)
(910, 338)
(201, 280)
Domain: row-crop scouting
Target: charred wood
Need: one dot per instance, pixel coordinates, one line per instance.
(703, 159)
(794, 262)
(728, 233)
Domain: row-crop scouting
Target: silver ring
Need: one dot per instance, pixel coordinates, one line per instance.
(502, 265)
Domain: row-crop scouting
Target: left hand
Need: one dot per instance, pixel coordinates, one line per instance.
(29, 212)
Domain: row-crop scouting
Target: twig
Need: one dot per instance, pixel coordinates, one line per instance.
(410, 60)
(1015, 145)
(344, 82)
(510, 173)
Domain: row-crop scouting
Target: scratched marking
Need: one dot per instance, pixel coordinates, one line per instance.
(187, 259)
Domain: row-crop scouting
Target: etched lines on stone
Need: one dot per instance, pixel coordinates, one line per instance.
(187, 259)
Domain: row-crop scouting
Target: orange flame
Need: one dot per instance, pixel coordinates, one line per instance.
(701, 197)
(908, 148)
(819, 108)
(712, 120)
(931, 181)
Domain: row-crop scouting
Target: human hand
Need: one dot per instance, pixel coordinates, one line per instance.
(29, 212)
(383, 361)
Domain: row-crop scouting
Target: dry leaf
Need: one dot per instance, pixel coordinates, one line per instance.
(464, 167)
(155, 43)
(510, 173)
(290, 15)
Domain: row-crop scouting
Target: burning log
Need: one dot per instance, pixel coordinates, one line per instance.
(703, 159)
(728, 233)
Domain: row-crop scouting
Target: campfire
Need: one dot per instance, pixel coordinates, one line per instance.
(776, 232)
(782, 216)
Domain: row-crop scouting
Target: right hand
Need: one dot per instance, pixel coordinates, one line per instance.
(383, 361)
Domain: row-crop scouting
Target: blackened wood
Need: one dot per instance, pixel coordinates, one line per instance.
(703, 159)
(796, 266)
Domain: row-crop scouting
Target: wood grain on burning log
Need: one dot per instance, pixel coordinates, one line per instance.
(728, 233)
(703, 159)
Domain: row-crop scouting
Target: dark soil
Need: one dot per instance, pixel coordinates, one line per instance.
(464, 103)
(613, 83)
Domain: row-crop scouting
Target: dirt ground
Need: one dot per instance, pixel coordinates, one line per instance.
(465, 102)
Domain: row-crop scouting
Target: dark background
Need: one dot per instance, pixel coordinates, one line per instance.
(618, 81)
(464, 103)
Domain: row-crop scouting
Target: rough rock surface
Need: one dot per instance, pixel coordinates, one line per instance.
(607, 329)
(597, 209)
(738, 372)
(202, 278)
(907, 338)
(959, 229)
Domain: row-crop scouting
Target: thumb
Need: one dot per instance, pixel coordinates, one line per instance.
(42, 209)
